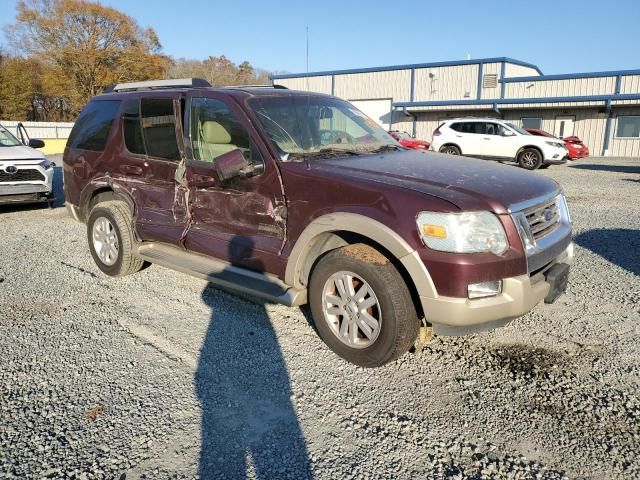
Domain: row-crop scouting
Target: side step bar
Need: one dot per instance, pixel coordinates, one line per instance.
(262, 285)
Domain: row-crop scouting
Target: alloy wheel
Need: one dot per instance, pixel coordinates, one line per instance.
(105, 241)
(351, 309)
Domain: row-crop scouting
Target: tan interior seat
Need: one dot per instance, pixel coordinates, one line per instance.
(215, 140)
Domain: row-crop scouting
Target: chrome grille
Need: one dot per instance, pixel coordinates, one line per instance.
(543, 219)
(25, 175)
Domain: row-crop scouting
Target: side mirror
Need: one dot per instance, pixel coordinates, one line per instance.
(233, 164)
(508, 133)
(36, 143)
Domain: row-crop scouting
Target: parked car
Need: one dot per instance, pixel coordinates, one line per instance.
(250, 196)
(406, 140)
(575, 148)
(25, 173)
(495, 139)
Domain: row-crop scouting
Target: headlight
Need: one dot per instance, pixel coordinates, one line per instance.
(556, 144)
(46, 164)
(467, 232)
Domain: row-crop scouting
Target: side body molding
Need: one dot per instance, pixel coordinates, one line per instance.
(317, 239)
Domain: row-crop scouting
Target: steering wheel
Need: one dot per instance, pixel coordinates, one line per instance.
(329, 137)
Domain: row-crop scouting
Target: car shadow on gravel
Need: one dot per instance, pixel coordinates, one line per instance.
(249, 425)
(608, 168)
(618, 245)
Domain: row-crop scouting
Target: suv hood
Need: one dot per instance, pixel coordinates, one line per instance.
(468, 183)
(20, 153)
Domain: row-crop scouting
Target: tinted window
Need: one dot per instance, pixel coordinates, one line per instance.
(215, 130)
(159, 128)
(92, 127)
(628, 127)
(471, 127)
(132, 127)
(494, 129)
(455, 126)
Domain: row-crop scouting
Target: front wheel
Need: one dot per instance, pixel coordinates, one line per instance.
(361, 306)
(530, 159)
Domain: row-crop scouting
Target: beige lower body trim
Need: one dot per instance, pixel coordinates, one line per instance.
(519, 295)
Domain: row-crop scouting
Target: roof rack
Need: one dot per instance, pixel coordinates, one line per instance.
(157, 84)
(257, 86)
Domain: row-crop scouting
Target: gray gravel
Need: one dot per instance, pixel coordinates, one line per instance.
(157, 375)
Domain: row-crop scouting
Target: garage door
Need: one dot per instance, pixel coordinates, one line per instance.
(378, 110)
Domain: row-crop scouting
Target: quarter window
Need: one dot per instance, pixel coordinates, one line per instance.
(532, 122)
(628, 127)
(92, 127)
(215, 130)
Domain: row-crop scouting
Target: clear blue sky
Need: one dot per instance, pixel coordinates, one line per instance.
(559, 36)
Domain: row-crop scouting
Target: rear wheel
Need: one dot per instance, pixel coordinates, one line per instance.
(530, 159)
(361, 306)
(111, 239)
(450, 150)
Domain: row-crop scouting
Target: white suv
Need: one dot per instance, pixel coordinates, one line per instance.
(25, 173)
(497, 140)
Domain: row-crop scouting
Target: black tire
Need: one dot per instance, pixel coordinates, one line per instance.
(530, 159)
(119, 216)
(399, 323)
(449, 150)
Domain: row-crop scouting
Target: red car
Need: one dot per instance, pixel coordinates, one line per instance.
(575, 147)
(407, 141)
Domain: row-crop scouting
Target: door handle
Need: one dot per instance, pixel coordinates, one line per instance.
(485, 138)
(203, 180)
(132, 170)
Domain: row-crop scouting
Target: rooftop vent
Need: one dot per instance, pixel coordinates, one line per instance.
(490, 80)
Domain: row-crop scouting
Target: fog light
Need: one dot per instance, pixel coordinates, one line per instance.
(484, 289)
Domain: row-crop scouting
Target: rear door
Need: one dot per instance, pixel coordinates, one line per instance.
(147, 164)
(242, 220)
(468, 135)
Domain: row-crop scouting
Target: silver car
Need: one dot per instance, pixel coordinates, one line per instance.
(25, 173)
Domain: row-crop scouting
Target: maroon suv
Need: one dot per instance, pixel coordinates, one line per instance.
(295, 197)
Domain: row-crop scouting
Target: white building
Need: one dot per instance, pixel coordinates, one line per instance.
(602, 108)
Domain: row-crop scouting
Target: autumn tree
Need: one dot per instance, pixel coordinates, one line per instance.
(90, 44)
(218, 71)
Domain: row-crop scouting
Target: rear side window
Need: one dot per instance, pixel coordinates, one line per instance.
(159, 128)
(470, 127)
(92, 127)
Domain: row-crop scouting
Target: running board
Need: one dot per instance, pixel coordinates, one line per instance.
(262, 285)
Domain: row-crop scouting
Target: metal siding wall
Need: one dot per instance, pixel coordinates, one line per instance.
(623, 147)
(561, 88)
(589, 125)
(512, 70)
(46, 130)
(630, 84)
(312, 84)
(394, 84)
(448, 83)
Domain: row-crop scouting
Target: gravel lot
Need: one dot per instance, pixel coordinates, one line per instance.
(158, 375)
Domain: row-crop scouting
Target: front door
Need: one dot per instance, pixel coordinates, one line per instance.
(241, 220)
(564, 126)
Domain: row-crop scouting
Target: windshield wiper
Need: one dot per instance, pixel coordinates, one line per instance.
(386, 147)
(329, 152)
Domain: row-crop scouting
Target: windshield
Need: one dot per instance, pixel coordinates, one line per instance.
(7, 139)
(521, 131)
(313, 126)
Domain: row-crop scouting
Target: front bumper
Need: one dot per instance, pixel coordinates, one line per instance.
(462, 316)
(559, 161)
(28, 191)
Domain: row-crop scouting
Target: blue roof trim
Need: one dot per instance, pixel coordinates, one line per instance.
(407, 67)
(502, 101)
(569, 76)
